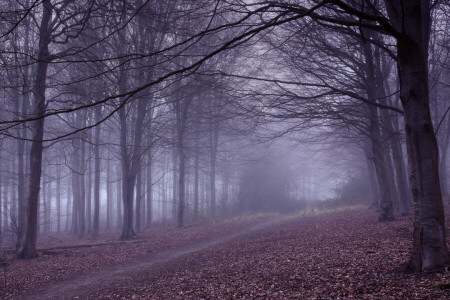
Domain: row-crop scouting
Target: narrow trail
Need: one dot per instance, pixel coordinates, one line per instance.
(80, 284)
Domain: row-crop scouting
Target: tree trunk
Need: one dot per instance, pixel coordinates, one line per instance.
(95, 227)
(181, 186)
(48, 209)
(58, 200)
(400, 176)
(175, 185)
(196, 172)
(69, 200)
(75, 190)
(374, 191)
(108, 194)
(89, 196)
(149, 189)
(119, 203)
(386, 212)
(386, 207)
(1, 202)
(443, 162)
(28, 247)
(138, 201)
(390, 172)
(82, 187)
(412, 21)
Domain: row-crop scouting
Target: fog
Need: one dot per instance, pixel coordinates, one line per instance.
(122, 117)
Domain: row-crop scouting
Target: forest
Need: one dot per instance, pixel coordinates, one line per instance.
(223, 149)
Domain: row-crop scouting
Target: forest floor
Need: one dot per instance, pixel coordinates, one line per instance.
(343, 255)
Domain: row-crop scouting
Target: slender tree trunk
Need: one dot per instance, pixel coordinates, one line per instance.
(390, 173)
(89, 195)
(5, 206)
(386, 207)
(138, 201)
(48, 210)
(400, 193)
(181, 186)
(374, 191)
(95, 228)
(28, 247)
(149, 189)
(400, 176)
(108, 194)
(164, 190)
(119, 203)
(75, 192)
(69, 201)
(196, 174)
(386, 212)
(82, 182)
(175, 181)
(58, 200)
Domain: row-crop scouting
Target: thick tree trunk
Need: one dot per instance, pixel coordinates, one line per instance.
(412, 21)
(28, 247)
(443, 162)
(1, 202)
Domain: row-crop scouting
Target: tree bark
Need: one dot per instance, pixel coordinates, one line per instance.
(443, 162)
(412, 21)
(138, 201)
(108, 193)
(374, 191)
(386, 212)
(28, 247)
(181, 187)
(149, 190)
(214, 143)
(96, 226)
(89, 194)
(58, 200)
(196, 170)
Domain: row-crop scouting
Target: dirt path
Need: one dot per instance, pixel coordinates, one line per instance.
(80, 284)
